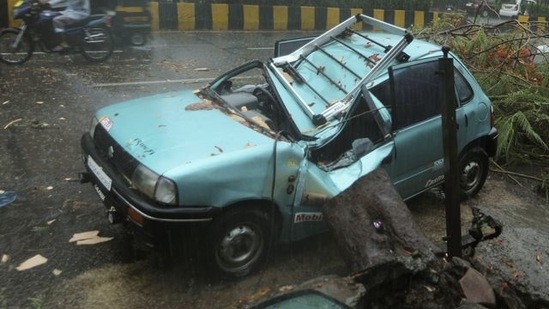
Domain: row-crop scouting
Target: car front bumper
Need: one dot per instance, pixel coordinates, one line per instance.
(128, 203)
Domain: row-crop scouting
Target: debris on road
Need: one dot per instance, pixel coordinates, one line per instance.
(477, 289)
(12, 122)
(83, 235)
(260, 294)
(89, 238)
(34, 261)
(7, 197)
(94, 240)
(37, 124)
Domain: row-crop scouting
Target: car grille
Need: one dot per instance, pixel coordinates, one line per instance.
(120, 160)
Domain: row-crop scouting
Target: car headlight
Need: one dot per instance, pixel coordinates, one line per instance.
(165, 191)
(154, 186)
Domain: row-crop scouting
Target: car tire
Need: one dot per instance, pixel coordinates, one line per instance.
(239, 242)
(473, 170)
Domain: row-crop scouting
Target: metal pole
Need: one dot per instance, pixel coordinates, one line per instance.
(451, 180)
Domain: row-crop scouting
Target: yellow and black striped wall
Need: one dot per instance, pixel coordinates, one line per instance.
(171, 15)
(190, 16)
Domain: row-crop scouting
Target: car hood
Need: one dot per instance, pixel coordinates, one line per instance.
(167, 130)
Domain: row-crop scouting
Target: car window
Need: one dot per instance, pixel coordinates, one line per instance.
(463, 89)
(417, 98)
(285, 47)
(365, 121)
(415, 93)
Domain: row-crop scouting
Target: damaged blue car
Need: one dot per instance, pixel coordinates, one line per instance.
(252, 157)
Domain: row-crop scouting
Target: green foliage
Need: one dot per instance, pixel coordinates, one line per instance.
(501, 58)
(518, 130)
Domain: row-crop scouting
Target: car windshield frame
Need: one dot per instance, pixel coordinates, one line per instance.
(219, 87)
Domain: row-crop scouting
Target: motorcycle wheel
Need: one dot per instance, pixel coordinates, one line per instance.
(97, 44)
(14, 54)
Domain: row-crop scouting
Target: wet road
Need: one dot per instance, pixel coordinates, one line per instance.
(46, 105)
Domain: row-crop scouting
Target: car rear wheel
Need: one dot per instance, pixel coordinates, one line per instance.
(473, 169)
(239, 241)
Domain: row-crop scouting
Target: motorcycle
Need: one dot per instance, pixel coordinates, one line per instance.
(91, 37)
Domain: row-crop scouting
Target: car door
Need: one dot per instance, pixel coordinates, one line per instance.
(413, 92)
(360, 146)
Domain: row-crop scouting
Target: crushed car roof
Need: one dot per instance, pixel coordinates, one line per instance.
(326, 74)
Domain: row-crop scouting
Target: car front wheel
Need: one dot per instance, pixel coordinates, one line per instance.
(239, 241)
(473, 172)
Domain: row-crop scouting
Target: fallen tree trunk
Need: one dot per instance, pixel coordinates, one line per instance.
(376, 232)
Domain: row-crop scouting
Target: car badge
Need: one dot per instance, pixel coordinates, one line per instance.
(110, 152)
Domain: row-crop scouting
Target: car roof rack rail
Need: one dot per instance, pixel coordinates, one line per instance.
(289, 62)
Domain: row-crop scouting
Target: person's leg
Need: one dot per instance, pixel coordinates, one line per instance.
(59, 24)
(45, 26)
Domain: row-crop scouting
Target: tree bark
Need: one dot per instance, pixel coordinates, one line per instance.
(375, 230)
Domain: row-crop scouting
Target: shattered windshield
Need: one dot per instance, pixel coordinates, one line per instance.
(247, 91)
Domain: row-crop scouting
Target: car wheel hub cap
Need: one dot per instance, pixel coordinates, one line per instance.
(239, 244)
(470, 174)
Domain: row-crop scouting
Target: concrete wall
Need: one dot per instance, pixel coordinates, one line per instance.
(190, 16)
